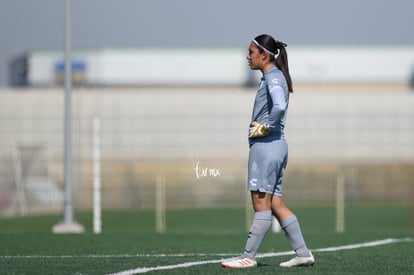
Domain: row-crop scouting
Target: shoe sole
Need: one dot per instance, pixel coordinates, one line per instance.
(301, 265)
(236, 267)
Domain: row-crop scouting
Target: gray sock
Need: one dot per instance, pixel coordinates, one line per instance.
(261, 224)
(293, 233)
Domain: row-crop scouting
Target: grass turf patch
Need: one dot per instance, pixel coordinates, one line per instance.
(128, 241)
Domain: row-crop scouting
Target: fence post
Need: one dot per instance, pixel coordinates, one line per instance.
(160, 202)
(97, 217)
(340, 203)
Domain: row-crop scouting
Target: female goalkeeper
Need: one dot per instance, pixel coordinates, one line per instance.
(269, 154)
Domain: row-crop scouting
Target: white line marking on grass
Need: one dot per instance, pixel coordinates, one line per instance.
(264, 255)
(362, 245)
(118, 256)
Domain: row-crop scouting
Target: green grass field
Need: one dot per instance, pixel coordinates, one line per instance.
(196, 240)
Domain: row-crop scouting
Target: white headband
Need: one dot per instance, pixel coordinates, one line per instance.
(263, 48)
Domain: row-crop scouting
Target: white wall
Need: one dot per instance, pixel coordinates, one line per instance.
(380, 64)
(228, 66)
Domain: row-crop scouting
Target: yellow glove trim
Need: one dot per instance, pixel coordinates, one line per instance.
(258, 130)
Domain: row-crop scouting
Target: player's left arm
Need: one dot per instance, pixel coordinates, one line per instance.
(279, 104)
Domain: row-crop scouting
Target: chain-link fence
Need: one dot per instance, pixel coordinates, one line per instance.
(196, 140)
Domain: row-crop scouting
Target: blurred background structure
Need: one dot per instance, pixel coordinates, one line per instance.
(170, 86)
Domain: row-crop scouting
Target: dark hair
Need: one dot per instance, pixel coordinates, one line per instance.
(269, 44)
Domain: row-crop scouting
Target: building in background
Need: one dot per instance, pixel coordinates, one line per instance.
(212, 66)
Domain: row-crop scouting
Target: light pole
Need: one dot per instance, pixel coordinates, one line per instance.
(68, 225)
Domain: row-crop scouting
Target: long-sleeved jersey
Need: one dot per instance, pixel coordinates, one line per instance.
(271, 104)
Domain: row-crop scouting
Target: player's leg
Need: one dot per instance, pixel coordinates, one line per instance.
(287, 219)
(262, 221)
(291, 227)
(279, 209)
(260, 177)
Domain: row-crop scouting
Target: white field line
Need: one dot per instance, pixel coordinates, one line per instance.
(188, 264)
(263, 255)
(118, 256)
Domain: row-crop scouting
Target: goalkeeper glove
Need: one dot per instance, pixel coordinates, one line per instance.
(258, 130)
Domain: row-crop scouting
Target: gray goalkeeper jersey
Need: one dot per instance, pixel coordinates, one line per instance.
(271, 104)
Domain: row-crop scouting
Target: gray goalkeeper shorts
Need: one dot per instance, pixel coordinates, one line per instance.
(267, 163)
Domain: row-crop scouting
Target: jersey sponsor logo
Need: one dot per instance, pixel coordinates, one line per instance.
(253, 182)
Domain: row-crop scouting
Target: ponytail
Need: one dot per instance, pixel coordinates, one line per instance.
(282, 63)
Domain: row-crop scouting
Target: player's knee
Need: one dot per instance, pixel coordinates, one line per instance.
(261, 201)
